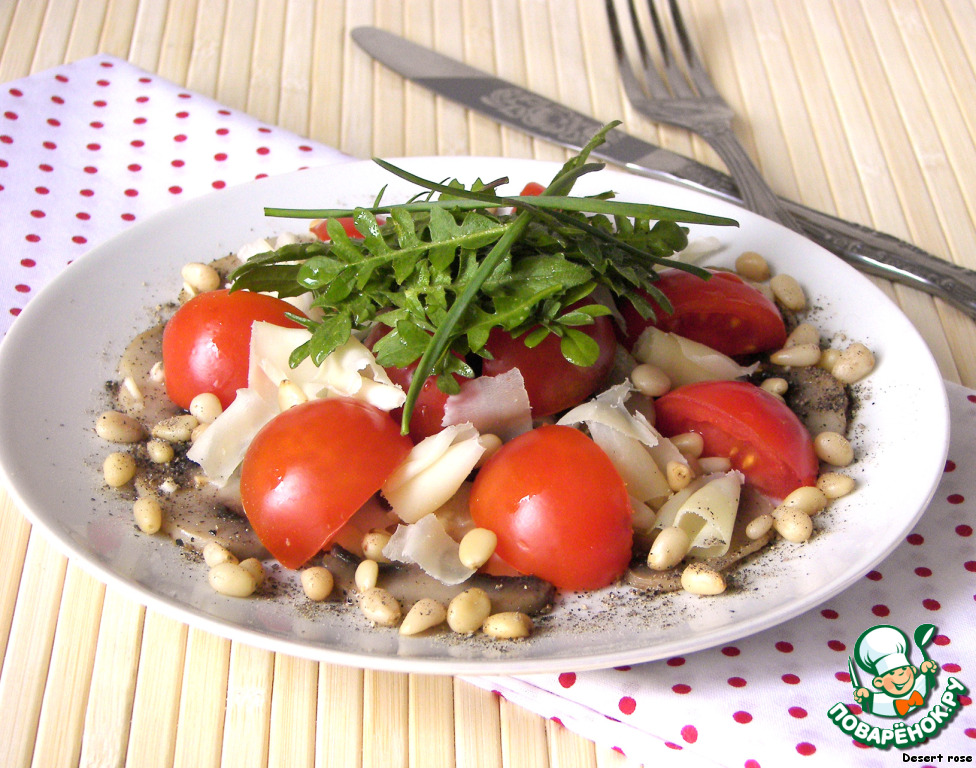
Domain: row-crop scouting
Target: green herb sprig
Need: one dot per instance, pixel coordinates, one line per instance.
(444, 269)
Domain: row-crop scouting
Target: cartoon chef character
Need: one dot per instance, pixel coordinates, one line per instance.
(900, 686)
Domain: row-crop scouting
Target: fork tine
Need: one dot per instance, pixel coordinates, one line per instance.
(696, 70)
(677, 82)
(632, 85)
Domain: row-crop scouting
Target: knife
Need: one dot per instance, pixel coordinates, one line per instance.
(867, 249)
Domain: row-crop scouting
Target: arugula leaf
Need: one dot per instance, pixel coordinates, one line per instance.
(445, 268)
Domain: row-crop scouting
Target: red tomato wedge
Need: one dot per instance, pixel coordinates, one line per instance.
(311, 468)
(765, 440)
(723, 312)
(558, 506)
(551, 381)
(207, 342)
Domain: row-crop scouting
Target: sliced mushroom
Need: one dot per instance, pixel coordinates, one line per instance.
(408, 583)
(196, 516)
(820, 400)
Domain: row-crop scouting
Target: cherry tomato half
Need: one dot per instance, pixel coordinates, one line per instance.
(558, 506)
(765, 440)
(207, 342)
(723, 312)
(311, 468)
(551, 381)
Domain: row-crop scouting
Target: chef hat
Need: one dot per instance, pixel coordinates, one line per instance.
(882, 649)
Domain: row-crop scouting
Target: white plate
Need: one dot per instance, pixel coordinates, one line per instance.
(60, 352)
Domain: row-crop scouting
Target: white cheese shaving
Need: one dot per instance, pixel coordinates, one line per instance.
(638, 451)
(433, 472)
(706, 511)
(350, 371)
(686, 361)
(221, 447)
(497, 405)
(427, 544)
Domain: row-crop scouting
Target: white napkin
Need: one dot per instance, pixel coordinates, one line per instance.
(90, 147)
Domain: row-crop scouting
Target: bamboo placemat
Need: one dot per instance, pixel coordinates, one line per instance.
(867, 109)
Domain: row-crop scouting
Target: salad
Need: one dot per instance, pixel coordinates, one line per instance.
(452, 409)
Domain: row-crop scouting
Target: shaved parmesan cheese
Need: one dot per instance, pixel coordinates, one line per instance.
(706, 511)
(496, 405)
(427, 544)
(221, 447)
(350, 371)
(433, 472)
(638, 451)
(685, 361)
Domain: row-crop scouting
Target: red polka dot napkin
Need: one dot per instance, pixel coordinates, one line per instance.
(763, 701)
(90, 147)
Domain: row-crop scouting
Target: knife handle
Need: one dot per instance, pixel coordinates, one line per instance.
(885, 256)
(866, 249)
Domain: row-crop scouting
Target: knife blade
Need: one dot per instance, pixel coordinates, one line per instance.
(868, 250)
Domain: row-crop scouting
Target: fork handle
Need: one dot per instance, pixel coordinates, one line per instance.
(756, 193)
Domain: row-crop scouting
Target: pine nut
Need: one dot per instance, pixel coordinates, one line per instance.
(792, 524)
(775, 385)
(367, 574)
(853, 364)
(700, 579)
(835, 484)
(804, 333)
(148, 514)
(690, 444)
(118, 469)
(290, 395)
(711, 464)
(156, 373)
(317, 583)
(797, 356)
(759, 526)
(159, 451)
(510, 625)
(833, 448)
(175, 429)
(476, 548)
(373, 543)
(118, 428)
(752, 266)
(650, 380)
(807, 498)
(669, 548)
(380, 607)
(425, 614)
(200, 277)
(828, 359)
(678, 475)
(231, 580)
(198, 430)
(468, 610)
(788, 292)
(214, 554)
(254, 567)
(206, 407)
(491, 443)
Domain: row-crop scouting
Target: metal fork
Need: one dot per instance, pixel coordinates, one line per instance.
(680, 93)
